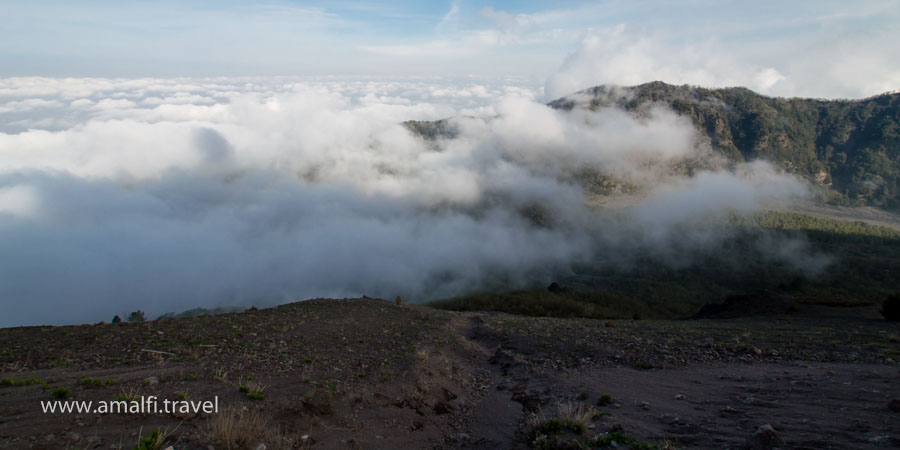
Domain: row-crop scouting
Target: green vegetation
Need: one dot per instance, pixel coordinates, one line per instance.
(859, 265)
(800, 222)
(19, 383)
(89, 382)
(61, 392)
(540, 302)
(605, 399)
(252, 390)
(152, 441)
(616, 439)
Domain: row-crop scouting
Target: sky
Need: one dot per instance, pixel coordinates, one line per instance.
(816, 48)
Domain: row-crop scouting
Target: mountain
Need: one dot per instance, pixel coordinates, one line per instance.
(850, 147)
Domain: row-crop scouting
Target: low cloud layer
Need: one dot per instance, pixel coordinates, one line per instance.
(167, 195)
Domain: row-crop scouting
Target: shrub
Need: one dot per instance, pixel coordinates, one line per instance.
(137, 316)
(151, 441)
(604, 399)
(61, 392)
(253, 390)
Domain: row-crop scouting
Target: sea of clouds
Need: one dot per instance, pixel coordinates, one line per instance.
(170, 194)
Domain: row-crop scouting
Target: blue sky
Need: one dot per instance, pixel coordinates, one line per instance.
(465, 37)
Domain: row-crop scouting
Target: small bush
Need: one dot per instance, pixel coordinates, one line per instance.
(891, 308)
(550, 427)
(253, 390)
(137, 316)
(61, 392)
(604, 399)
(151, 441)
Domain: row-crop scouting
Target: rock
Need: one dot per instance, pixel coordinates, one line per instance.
(765, 438)
(261, 447)
(679, 397)
(151, 381)
(645, 406)
(74, 437)
(610, 323)
(894, 405)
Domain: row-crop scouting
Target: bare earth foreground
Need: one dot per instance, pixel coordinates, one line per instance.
(365, 373)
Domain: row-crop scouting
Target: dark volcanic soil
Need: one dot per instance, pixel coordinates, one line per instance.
(366, 373)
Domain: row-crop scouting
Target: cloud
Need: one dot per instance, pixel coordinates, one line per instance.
(840, 63)
(184, 193)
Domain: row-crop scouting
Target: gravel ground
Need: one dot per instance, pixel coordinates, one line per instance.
(365, 373)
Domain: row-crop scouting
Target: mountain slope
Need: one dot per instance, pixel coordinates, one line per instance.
(851, 147)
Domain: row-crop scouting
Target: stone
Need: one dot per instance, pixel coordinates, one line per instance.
(765, 438)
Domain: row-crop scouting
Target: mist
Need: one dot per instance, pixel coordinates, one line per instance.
(166, 195)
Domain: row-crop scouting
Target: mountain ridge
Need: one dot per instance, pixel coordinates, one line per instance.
(850, 149)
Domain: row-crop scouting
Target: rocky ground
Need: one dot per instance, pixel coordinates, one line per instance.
(366, 373)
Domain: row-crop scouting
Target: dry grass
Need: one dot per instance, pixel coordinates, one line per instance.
(220, 374)
(253, 389)
(577, 412)
(236, 429)
(534, 420)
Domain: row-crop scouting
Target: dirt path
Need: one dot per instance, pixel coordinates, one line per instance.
(496, 418)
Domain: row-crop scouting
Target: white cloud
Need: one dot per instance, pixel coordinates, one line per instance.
(283, 189)
(838, 64)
